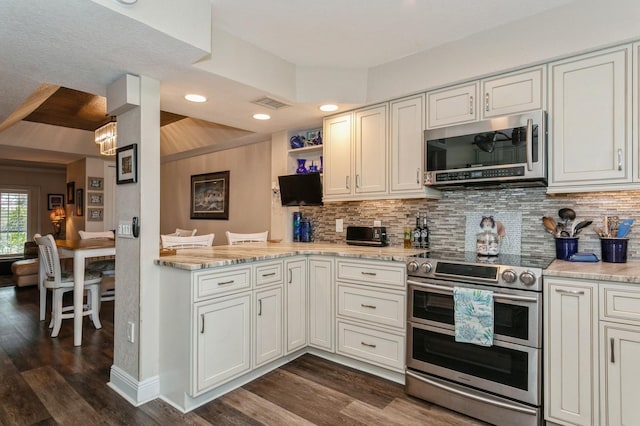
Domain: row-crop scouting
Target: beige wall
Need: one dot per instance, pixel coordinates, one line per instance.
(42, 181)
(249, 191)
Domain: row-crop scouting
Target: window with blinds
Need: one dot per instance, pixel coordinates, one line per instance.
(14, 213)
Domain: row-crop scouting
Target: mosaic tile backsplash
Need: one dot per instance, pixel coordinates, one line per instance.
(448, 216)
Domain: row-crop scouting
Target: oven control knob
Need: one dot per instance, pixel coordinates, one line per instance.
(528, 278)
(426, 267)
(509, 276)
(412, 266)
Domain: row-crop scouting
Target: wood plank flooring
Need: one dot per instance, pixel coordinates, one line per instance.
(45, 381)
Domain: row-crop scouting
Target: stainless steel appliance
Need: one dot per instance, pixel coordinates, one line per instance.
(375, 236)
(500, 384)
(507, 150)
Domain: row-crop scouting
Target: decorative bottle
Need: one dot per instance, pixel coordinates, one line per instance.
(424, 234)
(417, 233)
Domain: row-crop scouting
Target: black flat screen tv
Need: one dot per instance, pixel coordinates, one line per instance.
(301, 189)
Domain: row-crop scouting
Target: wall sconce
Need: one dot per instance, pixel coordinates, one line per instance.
(57, 216)
(107, 137)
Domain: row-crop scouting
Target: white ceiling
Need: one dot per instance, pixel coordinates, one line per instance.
(85, 46)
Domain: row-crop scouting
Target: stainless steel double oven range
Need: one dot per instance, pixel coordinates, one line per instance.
(500, 384)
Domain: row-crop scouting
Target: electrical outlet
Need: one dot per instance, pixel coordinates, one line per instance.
(339, 225)
(377, 223)
(131, 330)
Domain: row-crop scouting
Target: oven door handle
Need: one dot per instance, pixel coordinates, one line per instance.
(449, 290)
(471, 396)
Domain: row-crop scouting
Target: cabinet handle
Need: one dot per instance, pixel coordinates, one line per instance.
(357, 181)
(371, 345)
(367, 306)
(202, 322)
(270, 274)
(290, 275)
(259, 307)
(470, 105)
(486, 101)
(578, 292)
(613, 358)
(226, 282)
(620, 159)
(347, 182)
(418, 176)
(529, 145)
(373, 274)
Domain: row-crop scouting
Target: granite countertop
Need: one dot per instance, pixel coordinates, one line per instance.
(216, 256)
(601, 271)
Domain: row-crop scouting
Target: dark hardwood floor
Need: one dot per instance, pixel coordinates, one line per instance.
(47, 381)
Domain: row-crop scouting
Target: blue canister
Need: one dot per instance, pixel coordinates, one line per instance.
(297, 220)
(305, 231)
(565, 247)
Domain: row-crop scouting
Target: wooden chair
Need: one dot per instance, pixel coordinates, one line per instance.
(175, 242)
(52, 278)
(106, 266)
(258, 237)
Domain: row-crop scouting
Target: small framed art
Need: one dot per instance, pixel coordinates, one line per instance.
(210, 196)
(95, 183)
(94, 215)
(127, 164)
(79, 202)
(71, 189)
(54, 201)
(95, 198)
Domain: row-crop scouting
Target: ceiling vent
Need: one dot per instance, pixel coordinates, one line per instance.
(270, 103)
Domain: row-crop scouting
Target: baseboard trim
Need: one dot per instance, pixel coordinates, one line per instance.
(135, 392)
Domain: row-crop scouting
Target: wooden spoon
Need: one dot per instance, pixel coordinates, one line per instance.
(550, 224)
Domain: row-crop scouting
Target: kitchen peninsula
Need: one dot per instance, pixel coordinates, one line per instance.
(230, 314)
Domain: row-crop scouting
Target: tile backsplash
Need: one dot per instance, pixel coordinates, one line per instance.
(447, 216)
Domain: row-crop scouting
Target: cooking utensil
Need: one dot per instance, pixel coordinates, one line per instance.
(559, 229)
(624, 228)
(581, 225)
(549, 224)
(567, 215)
(600, 232)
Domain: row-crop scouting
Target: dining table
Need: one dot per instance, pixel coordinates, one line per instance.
(80, 250)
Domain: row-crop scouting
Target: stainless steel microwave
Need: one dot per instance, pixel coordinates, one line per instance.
(506, 150)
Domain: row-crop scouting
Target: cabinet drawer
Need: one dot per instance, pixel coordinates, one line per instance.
(376, 347)
(268, 273)
(210, 283)
(372, 273)
(370, 305)
(620, 304)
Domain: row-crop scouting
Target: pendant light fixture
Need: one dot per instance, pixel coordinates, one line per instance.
(107, 137)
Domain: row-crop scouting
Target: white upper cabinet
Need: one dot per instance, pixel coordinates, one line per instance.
(337, 155)
(513, 93)
(454, 105)
(590, 135)
(406, 124)
(371, 150)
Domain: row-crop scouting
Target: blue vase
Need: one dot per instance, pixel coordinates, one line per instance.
(301, 166)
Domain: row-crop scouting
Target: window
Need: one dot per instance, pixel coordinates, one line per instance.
(14, 214)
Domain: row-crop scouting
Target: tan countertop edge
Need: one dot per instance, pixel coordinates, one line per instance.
(601, 271)
(217, 256)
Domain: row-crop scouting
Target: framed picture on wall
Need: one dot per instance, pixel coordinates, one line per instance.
(95, 198)
(54, 201)
(210, 196)
(71, 189)
(79, 202)
(127, 164)
(94, 215)
(95, 184)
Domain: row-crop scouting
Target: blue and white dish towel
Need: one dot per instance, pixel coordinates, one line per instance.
(473, 313)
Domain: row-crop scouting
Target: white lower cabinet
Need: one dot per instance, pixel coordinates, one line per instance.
(222, 323)
(268, 325)
(295, 290)
(321, 303)
(592, 367)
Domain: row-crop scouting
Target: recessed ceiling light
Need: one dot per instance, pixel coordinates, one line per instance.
(261, 116)
(328, 107)
(192, 97)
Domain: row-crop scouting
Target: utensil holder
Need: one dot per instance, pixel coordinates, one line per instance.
(614, 250)
(565, 247)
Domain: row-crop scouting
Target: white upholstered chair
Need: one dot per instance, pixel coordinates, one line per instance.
(235, 238)
(106, 266)
(52, 278)
(175, 242)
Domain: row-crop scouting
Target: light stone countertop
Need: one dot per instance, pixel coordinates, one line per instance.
(601, 271)
(216, 256)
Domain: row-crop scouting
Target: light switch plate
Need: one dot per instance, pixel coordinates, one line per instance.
(124, 229)
(377, 223)
(339, 225)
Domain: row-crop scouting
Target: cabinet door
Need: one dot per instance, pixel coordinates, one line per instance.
(295, 305)
(452, 106)
(513, 93)
(571, 359)
(620, 374)
(371, 150)
(337, 155)
(223, 341)
(590, 132)
(268, 314)
(321, 304)
(407, 144)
